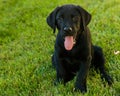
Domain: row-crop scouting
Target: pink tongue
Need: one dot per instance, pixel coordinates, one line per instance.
(68, 43)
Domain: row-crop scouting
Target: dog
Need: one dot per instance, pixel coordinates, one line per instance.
(74, 52)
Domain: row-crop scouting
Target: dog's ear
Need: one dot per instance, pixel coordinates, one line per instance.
(86, 17)
(51, 19)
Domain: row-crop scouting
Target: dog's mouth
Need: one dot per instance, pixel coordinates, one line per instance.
(69, 42)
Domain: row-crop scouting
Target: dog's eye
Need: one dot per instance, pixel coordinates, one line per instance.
(60, 19)
(75, 18)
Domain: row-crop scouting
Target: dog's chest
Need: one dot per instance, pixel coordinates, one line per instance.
(71, 62)
(74, 53)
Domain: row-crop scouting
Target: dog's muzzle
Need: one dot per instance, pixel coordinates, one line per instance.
(69, 38)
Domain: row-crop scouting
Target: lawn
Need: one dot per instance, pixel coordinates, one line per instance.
(27, 43)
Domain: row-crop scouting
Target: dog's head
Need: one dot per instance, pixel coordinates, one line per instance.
(70, 20)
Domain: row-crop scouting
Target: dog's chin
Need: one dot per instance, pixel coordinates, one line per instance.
(69, 42)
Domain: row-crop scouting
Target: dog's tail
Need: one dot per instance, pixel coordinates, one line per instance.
(99, 64)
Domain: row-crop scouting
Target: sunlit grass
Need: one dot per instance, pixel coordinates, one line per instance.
(27, 43)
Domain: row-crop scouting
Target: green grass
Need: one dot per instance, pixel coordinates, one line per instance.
(27, 43)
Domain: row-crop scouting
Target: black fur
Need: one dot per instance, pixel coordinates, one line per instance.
(76, 61)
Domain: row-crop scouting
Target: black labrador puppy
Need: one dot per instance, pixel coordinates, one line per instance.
(74, 52)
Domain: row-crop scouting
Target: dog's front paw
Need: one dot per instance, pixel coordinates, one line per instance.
(110, 81)
(58, 81)
(82, 89)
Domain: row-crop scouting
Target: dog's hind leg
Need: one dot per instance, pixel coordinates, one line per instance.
(99, 64)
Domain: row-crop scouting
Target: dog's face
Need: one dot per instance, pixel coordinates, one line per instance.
(70, 20)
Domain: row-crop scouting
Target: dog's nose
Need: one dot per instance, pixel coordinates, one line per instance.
(67, 29)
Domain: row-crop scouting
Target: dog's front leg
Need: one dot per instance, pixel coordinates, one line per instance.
(60, 71)
(82, 76)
